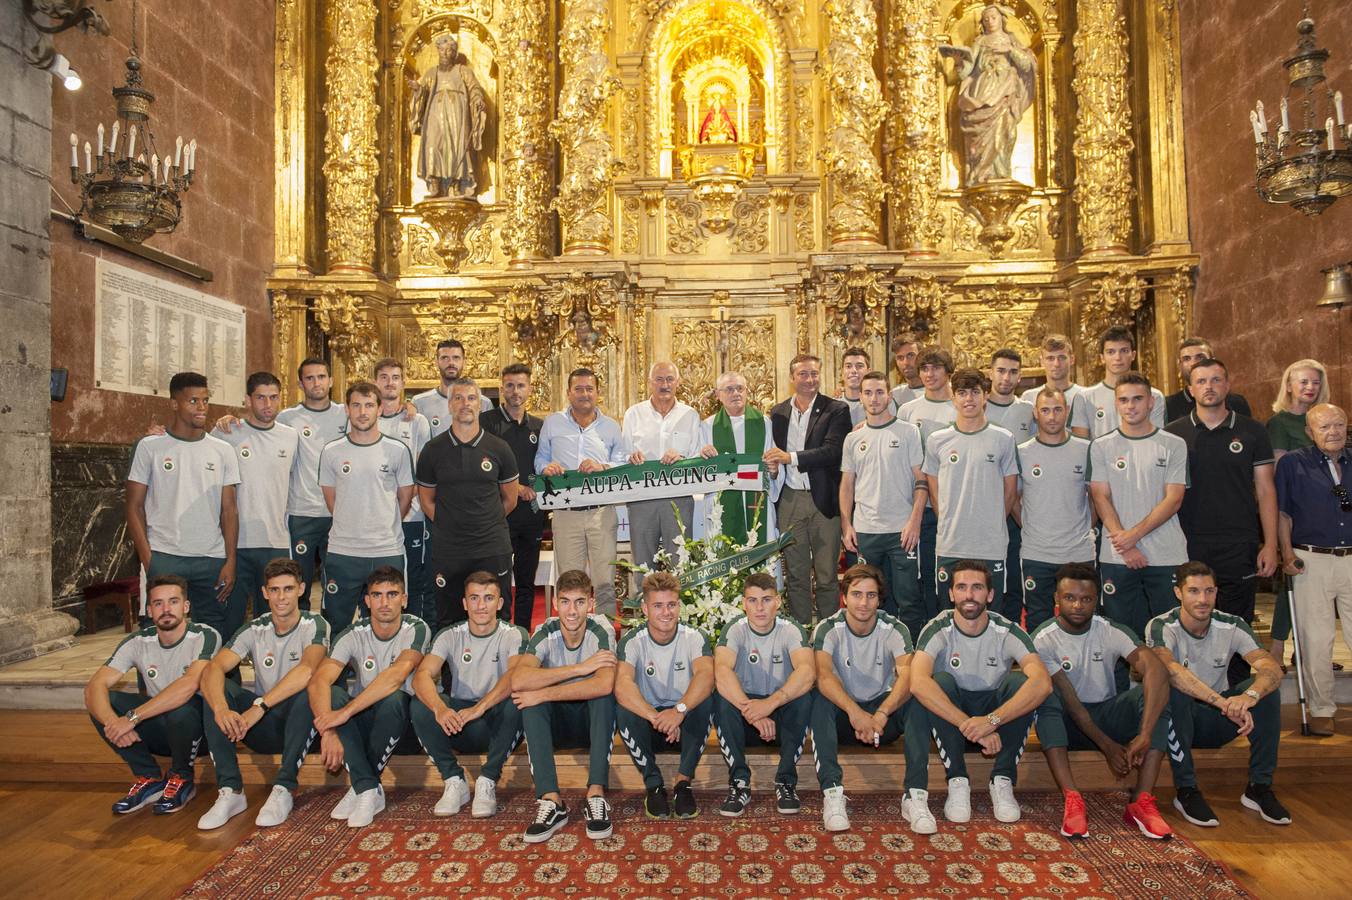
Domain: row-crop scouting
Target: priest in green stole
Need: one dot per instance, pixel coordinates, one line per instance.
(739, 428)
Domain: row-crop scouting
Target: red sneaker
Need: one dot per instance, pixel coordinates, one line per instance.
(1146, 816)
(1073, 823)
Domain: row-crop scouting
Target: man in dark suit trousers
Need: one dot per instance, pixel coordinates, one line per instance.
(809, 431)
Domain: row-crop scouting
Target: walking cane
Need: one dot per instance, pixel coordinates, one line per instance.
(1299, 656)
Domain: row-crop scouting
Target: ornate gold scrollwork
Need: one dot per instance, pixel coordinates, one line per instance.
(1103, 142)
(350, 158)
(586, 310)
(451, 220)
(993, 202)
(1112, 300)
(752, 217)
(858, 300)
(857, 110)
(921, 302)
(525, 131)
(531, 325)
(915, 154)
(589, 166)
(1005, 315)
(353, 335)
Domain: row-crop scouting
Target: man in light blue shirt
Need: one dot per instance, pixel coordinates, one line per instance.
(582, 438)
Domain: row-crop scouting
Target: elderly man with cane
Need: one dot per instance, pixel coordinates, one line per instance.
(1315, 534)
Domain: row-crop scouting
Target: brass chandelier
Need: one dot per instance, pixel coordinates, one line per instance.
(1304, 167)
(125, 184)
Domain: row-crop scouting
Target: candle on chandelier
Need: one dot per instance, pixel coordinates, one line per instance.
(154, 167)
(1257, 131)
(100, 139)
(1338, 106)
(192, 155)
(178, 153)
(1328, 127)
(89, 157)
(1262, 118)
(112, 146)
(131, 143)
(1286, 116)
(74, 151)
(166, 168)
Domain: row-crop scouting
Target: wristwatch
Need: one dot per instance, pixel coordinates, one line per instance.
(994, 720)
(259, 704)
(1252, 693)
(682, 708)
(132, 716)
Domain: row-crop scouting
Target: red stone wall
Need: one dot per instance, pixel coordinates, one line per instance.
(1260, 275)
(211, 70)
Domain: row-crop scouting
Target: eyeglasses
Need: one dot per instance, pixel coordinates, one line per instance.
(1344, 499)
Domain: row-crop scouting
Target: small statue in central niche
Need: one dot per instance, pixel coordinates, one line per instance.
(449, 111)
(998, 78)
(717, 126)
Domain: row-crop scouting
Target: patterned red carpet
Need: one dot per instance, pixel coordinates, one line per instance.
(408, 853)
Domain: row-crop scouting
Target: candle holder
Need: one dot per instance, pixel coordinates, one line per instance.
(1304, 167)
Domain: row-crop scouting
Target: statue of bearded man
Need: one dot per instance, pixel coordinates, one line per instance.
(449, 111)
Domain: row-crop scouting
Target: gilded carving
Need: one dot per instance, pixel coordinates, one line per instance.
(1025, 226)
(422, 242)
(857, 110)
(857, 301)
(483, 351)
(977, 336)
(695, 353)
(479, 243)
(350, 164)
(353, 336)
(587, 313)
(286, 66)
(580, 128)
(802, 135)
(752, 233)
(752, 353)
(421, 9)
(1112, 300)
(1179, 287)
(282, 307)
(530, 324)
(629, 225)
(630, 130)
(921, 302)
(802, 313)
(1103, 143)
(804, 223)
(683, 231)
(964, 230)
(525, 131)
(915, 155)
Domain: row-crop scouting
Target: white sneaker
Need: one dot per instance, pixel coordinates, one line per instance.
(958, 806)
(1004, 805)
(367, 804)
(834, 817)
(915, 809)
(277, 808)
(229, 803)
(344, 807)
(485, 799)
(455, 795)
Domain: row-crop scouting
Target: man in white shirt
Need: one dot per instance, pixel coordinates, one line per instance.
(930, 410)
(660, 429)
(1095, 413)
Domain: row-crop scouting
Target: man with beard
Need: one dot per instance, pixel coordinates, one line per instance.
(286, 646)
(450, 362)
(467, 485)
(964, 676)
(905, 352)
(663, 686)
(1138, 474)
(267, 454)
(525, 524)
(359, 732)
(1086, 710)
(181, 509)
(660, 429)
(318, 421)
(165, 720)
(1229, 511)
(864, 692)
(1192, 351)
(413, 432)
(367, 480)
(1195, 642)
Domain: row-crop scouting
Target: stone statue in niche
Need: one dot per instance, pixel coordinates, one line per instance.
(717, 126)
(449, 111)
(997, 80)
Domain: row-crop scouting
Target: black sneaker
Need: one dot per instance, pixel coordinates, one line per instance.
(655, 804)
(786, 799)
(597, 814)
(1193, 806)
(738, 798)
(683, 801)
(549, 818)
(1259, 797)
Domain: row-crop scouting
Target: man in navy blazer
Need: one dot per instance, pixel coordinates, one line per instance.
(809, 432)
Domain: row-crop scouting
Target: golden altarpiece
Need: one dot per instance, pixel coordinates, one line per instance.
(726, 183)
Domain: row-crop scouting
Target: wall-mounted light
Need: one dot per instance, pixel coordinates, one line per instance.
(62, 71)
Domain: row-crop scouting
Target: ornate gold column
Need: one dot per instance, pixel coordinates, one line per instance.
(288, 340)
(1111, 298)
(293, 205)
(913, 153)
(525, 131)
(350, 162)
(1103, 142)
(857, 110)
(588, 162)
(1160, 86)
(354, 329)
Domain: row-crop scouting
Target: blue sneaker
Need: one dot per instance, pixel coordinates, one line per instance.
(144, 791)
(177, 792)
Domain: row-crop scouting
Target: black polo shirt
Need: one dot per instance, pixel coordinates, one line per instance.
(524, 439)
(467, 476)
(1178, 405)
(1220, 503)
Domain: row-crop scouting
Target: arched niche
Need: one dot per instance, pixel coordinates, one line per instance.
(754, 29)
(960, 24)
(479, 48)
